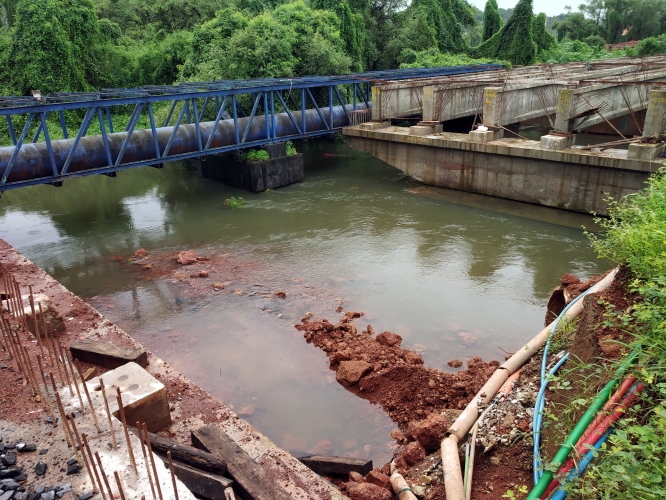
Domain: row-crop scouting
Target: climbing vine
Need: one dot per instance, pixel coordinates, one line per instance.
(514, 41)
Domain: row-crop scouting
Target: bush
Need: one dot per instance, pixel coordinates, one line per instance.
(595, 41)
(256, 155)
(651, 46)
(291, 150)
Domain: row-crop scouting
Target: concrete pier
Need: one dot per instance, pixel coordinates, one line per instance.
(256, 176)
(515, 169)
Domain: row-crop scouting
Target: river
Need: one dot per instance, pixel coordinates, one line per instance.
(454, 274)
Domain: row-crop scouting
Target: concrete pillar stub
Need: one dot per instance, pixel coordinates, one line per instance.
(376, 104)
(429, 105)
(556, 142)
(491, 106)
(656, 113)
(485, 135)
(644, 151)
(565, 100)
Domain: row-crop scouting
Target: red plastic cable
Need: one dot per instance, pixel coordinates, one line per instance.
(593, 436)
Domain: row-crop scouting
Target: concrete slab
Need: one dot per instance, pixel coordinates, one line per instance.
(106, 354)
(144, 397)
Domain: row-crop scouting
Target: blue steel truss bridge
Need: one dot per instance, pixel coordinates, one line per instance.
(66, 135)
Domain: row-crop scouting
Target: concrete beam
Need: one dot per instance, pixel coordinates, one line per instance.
(575, 107)
(525, 100)
(448, 98)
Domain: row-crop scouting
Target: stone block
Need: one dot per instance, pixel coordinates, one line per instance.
(485, 135)
(107, 355)
(52, 316)
(556, 142)
(644, 151)
(144, 397)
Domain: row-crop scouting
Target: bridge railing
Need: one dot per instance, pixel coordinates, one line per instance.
(65, 135)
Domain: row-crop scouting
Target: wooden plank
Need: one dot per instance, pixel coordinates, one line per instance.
(107, 355)
(204, 484)
(189, 455)
(252, 482)
(337, 465)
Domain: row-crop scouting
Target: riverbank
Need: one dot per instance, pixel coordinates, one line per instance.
(423, 402)
(189, 405)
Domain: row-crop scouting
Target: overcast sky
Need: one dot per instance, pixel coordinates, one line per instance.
(550, 7)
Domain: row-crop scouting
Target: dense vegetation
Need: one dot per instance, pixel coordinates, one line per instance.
(632, 465)
(79, 45)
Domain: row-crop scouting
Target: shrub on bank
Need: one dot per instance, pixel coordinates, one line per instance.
(632, 465)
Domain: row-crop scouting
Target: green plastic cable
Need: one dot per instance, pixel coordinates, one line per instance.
(563, 453)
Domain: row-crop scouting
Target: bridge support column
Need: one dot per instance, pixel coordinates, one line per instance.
(256, 176)
(491, 117)
(561, 137)
(652, 129)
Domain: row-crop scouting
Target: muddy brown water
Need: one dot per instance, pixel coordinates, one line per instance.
(455, 274)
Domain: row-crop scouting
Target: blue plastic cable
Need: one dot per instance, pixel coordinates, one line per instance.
(537, 417)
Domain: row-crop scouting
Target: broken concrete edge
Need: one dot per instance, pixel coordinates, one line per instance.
(297, 479)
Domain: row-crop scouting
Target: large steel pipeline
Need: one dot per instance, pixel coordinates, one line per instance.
(33, 160)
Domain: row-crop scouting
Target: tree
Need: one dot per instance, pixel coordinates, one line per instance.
(264, 49)
(52, 45)
(514, 41)
(540, 35)
(440, 15)
(352, 31)
(413, 33)
(492, 21)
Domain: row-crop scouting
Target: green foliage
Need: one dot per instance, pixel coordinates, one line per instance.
(292, 40)
(414, 33)
(575, 27)
(632, 465)
(571, 51)
(540, 35)
(514, 41)
(651, 46)
(491, 19)
(52, 45)
(635, 230)
(352, 31)
(433, 58)
(256, 155)
(440, 15)
(595, 41)
(139, 18)
(291, 149)
(234, 202)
